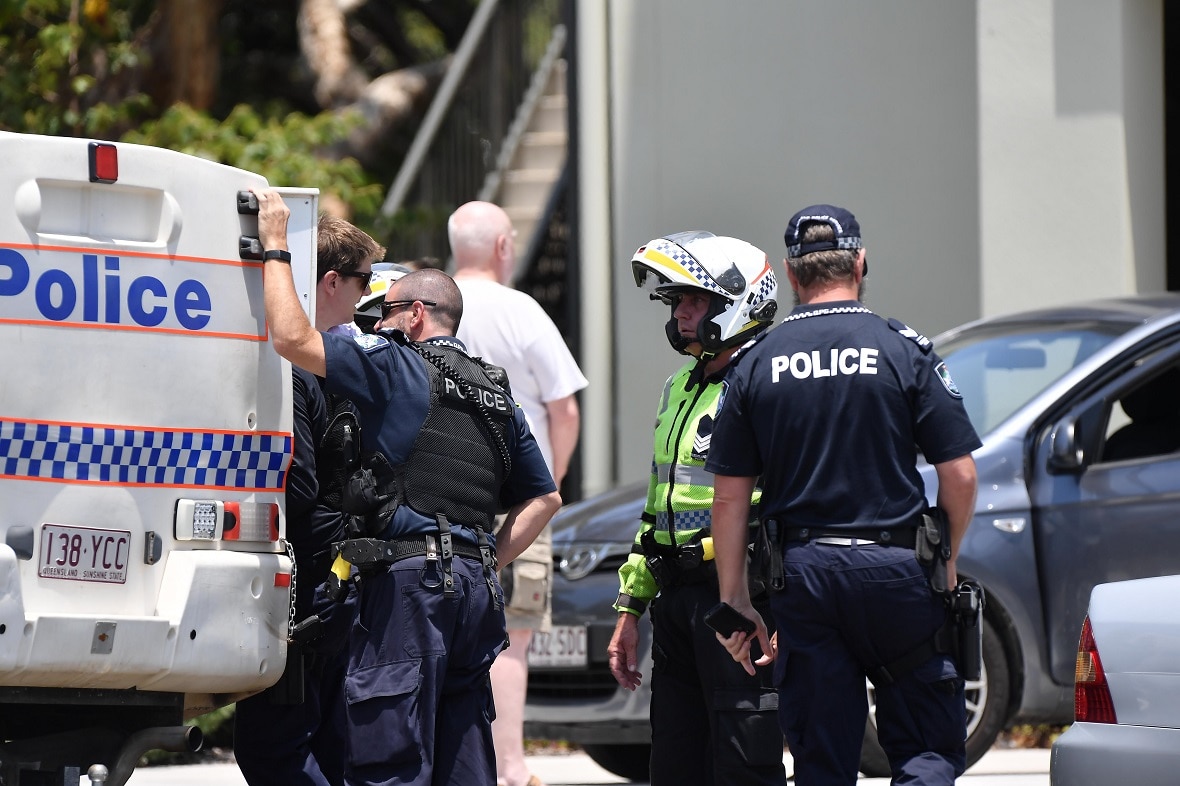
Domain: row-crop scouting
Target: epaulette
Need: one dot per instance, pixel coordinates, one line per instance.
(913, 335)
(370, 342)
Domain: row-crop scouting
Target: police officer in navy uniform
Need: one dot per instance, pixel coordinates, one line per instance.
(831, 410)
(445, 448)
(295, 735)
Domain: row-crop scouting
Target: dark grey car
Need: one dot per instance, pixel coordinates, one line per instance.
(1078, 407)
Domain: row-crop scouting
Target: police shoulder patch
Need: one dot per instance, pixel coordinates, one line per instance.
(944, 375)
(913, 335)
(371, 342)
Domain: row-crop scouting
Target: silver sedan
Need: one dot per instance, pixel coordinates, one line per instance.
(1127, 689)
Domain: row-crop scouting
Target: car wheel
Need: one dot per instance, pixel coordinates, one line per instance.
(627, 761)
(987, 702)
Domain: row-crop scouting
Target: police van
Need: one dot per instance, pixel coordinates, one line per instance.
(145, 437)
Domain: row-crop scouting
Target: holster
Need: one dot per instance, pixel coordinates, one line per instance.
(966, 616)
(932, 547)
(662, 560)
(766, 558)
(370, 496)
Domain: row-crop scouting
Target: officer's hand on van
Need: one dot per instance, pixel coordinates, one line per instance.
(622, 651)
(272, 219)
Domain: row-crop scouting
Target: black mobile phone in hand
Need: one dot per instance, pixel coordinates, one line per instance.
(725, 619)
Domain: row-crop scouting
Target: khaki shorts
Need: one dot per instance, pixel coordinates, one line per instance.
(531, 581)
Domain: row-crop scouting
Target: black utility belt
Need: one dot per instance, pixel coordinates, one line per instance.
(368, 553)
(421, 545)
(902, 537)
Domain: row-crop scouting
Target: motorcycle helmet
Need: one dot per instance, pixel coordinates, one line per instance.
(736, 276)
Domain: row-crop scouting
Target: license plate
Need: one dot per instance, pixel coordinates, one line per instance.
(561, 646)
(84, 554)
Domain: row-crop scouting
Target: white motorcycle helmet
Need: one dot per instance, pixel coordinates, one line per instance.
(368, 308)
(735, 274)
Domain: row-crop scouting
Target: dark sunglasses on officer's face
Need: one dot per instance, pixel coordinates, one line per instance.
(390, 305)
(364, 277)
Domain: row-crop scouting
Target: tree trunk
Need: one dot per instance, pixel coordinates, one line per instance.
(186, 53)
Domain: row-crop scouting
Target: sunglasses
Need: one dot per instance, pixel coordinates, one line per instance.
(389, 305)
(364, 277)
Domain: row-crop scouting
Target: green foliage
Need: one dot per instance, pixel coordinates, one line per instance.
(287, 148)
(422, 35)
(60, 73)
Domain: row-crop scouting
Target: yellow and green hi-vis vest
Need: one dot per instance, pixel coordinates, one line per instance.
(680, 490)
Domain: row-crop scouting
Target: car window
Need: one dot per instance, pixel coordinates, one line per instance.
(1145, 421)
(999, 368)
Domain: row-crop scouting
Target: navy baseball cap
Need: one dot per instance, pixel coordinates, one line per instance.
(843, 223)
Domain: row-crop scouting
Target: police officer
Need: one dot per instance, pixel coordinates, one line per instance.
(445, 448)
(711, 722)
(294, 732)
(830, 410)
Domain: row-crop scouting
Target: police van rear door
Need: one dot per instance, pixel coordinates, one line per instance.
(145, 426)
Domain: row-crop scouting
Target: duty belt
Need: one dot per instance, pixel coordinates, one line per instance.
(903, 537)
(368, 553)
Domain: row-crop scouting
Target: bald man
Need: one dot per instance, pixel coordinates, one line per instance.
(509, 328)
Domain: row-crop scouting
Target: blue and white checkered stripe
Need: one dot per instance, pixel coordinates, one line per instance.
(689, 519)
(765, 287)
(842, 243)
(142, 457)
(690, 265)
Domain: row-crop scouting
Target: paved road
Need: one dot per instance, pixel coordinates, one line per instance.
(999, 767)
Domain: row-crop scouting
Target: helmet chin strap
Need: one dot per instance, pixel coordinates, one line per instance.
(697, 375)
(679, 343)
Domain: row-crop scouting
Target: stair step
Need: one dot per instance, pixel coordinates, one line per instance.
(527, 186)
(541, 150)
(550, 115)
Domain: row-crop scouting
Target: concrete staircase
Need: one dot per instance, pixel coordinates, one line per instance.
(535, 166)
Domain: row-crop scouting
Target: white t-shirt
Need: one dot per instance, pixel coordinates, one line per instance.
(507, 327)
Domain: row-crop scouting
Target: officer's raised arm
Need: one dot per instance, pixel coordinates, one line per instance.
(292, 334)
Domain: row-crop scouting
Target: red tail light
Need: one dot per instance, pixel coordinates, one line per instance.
(1091, 695)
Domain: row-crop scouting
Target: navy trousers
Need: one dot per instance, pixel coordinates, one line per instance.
(712, 724)
(419, 699)
(302, 744)
(845, 608)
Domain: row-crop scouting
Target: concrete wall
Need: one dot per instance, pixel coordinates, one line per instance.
(1071, 150)
(999, 155)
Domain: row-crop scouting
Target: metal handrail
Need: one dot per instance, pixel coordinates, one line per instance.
(468, 128)
(491, 185)
(476, 29)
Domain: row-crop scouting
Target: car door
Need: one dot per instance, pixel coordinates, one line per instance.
(1100, 514)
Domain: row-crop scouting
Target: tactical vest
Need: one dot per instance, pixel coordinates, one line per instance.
(460, 457)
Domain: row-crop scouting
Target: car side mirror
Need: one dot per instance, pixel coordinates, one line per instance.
(1065, 454)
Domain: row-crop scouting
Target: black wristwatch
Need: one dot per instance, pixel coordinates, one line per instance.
(274, 253)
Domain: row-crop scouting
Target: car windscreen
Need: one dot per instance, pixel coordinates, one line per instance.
(1000, 368)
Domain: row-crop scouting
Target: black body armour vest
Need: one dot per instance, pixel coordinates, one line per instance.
(460, 457)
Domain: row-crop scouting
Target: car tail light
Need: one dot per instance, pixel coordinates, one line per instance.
(1092, 702)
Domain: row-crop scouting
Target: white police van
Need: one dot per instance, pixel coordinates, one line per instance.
(145, 436)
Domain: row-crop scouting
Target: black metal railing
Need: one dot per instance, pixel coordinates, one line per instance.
(463, 136)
